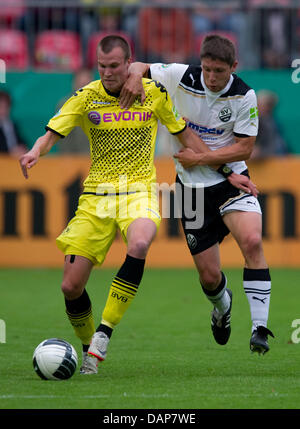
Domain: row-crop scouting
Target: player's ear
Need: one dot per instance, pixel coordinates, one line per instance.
(234, 66)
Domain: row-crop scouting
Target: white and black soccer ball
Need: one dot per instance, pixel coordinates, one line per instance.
(55, 359)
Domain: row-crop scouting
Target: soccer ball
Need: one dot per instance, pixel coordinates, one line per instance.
(55, 359)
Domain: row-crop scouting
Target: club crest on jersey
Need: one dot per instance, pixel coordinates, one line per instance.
(225, 114)
(94, 117)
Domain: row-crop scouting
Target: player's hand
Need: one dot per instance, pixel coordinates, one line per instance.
(27, 161)
(244, 183)
(187, 157)
(132, 88)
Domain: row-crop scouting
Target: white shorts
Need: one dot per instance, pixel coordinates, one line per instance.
(242, 202)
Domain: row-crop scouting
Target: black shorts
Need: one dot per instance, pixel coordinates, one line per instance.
(213, 229)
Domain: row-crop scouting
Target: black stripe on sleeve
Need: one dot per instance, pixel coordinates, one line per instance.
(243, 136)
(178, 132)
(53, 131)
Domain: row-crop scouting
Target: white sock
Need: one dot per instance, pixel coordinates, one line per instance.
(219, 297)
(257, 286)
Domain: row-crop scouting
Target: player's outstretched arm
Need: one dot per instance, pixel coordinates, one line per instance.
(42, 146)
(133, 87)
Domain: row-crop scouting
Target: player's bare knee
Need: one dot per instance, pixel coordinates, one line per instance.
(139, 248)
(210, 279)
(252, 244)
(71, 290)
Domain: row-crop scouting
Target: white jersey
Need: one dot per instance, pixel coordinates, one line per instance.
(216, 117)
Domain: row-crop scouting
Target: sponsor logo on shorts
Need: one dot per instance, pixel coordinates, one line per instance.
(225, 114)
(94, 117)
(191, 240)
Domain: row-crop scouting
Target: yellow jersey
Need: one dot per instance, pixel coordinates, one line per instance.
(122, 142)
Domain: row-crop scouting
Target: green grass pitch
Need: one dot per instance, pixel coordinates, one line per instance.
(161, 356)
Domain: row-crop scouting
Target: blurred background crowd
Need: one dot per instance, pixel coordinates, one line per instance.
(49, 49)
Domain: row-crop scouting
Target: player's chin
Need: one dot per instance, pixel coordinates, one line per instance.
(111, 86)
(108, 84)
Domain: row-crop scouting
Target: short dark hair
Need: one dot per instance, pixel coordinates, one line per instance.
(218, 48)
(108, 43)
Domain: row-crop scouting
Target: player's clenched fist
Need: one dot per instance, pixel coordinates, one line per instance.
(42, 146)
(28, 160)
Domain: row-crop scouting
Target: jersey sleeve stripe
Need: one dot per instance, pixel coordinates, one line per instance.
(241, 135)
(55, 132)
(178, 132)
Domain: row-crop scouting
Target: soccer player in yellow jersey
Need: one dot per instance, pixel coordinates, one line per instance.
(119, 192)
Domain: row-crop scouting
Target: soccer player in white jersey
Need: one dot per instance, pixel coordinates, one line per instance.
(222, 109)
(119, 192)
